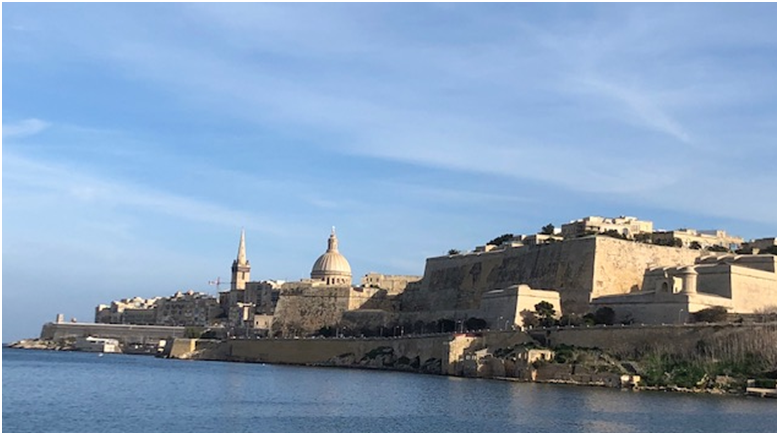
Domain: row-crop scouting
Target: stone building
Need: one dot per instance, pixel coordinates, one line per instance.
(758, 246)
(705, 239)
(241, 268)
(127, 311)
(627, 226)
(233, 302)
(541, 239)
(332, 267)
(742, 284)
(264, 295)
(181, 309)
(188, 309)
(393, 284)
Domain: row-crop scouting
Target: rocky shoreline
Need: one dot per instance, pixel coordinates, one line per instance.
(39, 344)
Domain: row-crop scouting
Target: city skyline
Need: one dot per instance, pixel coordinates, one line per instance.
(140, 138)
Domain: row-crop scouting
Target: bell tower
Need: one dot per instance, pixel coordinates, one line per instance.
(241, 267)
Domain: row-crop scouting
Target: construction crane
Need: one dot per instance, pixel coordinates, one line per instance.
(216, 283)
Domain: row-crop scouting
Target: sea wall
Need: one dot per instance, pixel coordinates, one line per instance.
(446, 353)
(124, 333)
(420, 354)
(431, 353)
(577, 269)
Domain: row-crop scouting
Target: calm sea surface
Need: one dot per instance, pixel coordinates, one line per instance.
(82, 392)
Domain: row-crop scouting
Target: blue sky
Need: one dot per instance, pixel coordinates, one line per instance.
(138, 139)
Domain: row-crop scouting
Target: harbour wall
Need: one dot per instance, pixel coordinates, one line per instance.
(441, 353)
(124, 333)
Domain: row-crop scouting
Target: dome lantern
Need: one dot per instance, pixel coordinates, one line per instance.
(332, 267)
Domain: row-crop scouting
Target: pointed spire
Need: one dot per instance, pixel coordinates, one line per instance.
(332, 242)
(242, 249)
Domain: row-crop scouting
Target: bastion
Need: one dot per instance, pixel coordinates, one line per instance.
(579, 269)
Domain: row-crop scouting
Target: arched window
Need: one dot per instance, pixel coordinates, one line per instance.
(664, 287)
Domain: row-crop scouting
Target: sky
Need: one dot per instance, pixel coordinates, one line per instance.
(139, 139)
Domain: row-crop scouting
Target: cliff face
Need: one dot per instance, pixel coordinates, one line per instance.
(577, 269)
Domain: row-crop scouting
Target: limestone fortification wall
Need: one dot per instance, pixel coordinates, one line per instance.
(457, 282)
(753, 290)
(441, 353)
(619, 265)
(433, 353)
(123, 333)
(577, 268)
(340, 352)
(681, 339)
(307, 309)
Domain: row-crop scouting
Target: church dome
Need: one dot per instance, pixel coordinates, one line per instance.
(331, 266)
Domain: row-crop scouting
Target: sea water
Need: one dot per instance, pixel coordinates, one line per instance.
(46, 391)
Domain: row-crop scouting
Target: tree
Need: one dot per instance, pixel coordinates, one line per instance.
(695, 245)
(769, 250)
(445, 325)
(545, 313)
(326, 331)
(475, 324)
(710, 315)
(500, 239)
(454, 251)
(571, 320)
(548, 229)
(529, 318)
(544, 309)
(643, 238)
(604, 316)
(717, 248)
(677, 242)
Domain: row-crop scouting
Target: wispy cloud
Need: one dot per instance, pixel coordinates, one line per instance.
(23, 128)
(71, 184)
(639, 105)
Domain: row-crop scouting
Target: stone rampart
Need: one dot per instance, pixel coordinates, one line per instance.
(345, 352)
(619, 265)
(627, 340)
(305, 310)
(577, 269)
(430, 353)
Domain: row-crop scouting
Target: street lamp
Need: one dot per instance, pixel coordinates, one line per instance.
(681, 310)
